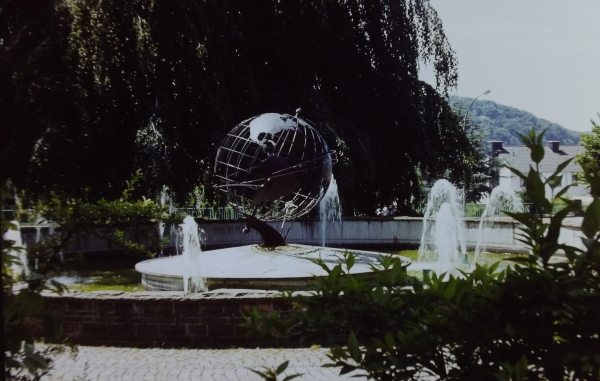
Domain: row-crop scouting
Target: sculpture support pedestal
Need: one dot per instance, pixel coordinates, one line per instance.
(270, 236)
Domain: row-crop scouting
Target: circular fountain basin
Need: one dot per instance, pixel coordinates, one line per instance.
(288, 267)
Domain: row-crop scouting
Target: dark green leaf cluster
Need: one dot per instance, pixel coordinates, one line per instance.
(536, 321)
(480, 171)
(26, 321)
(25, 318)
(105, 219)
(591, 155)
(270, 374)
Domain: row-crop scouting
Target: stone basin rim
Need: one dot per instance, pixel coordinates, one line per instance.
(172, 267)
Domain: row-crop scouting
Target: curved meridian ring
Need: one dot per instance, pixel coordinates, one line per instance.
(274, 166)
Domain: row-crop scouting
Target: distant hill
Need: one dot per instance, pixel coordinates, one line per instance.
(504, 122)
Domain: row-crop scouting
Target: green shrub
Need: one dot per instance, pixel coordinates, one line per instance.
(26, 321)
(106, 219)
(536, 321)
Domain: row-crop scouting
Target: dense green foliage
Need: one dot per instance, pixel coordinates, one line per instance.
(26, 321)
(591, 143)
(482, 170)
(106, 219)
(505, 123)
(95, 90)
(536, 321)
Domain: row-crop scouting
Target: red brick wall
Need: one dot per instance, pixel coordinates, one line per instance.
(176, 322)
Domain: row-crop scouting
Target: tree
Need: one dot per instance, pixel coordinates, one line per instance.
(591, 143)
(154, 87)
(478, 168)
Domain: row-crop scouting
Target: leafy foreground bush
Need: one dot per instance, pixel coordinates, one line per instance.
(26, 321)
(536, 321)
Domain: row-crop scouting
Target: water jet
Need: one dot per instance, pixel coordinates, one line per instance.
(442, 246)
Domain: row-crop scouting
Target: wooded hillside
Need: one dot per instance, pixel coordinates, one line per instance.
(501, 122)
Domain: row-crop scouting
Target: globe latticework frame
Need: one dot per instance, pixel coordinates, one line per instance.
(272, 176)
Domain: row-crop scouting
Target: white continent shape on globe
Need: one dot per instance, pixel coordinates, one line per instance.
(270, 124)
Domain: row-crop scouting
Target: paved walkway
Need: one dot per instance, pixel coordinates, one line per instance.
(108, 363)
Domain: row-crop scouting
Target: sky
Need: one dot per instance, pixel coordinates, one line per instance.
(541, 56)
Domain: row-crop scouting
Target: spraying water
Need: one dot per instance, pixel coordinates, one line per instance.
(51, 229)
(21, 266)
(446, 239)
(39, 221)
(443, 237)
(330, 208)
(501, 199)
(192, 253)
(38, 232)
(38, 224)
(164, 199)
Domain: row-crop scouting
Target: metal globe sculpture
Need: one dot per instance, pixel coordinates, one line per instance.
(274, 166)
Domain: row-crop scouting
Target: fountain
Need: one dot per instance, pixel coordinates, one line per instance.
(442, 239)
(502, 198)
(272, 167)
(192, 257)
(161, 225)
(21, 266)
(330, 208)
(164, 199)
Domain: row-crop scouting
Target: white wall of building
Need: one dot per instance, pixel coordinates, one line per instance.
(514, 182)
(509, 179)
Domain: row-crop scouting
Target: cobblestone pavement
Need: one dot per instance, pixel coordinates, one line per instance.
(108, 363)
